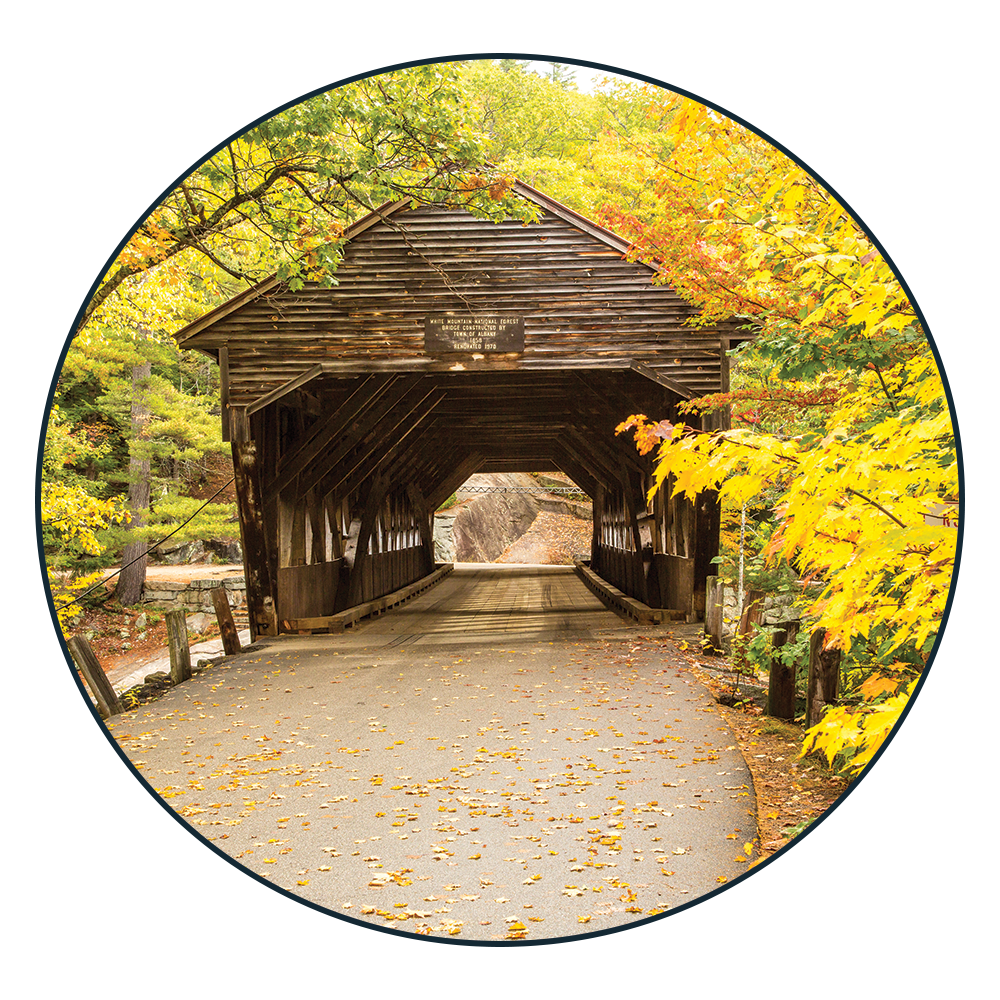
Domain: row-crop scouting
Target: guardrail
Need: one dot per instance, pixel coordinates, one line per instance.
(345, 619)
(621, 602)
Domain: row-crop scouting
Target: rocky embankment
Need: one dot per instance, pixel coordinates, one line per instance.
(506, 527)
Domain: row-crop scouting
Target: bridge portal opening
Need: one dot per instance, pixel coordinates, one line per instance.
(515, 518)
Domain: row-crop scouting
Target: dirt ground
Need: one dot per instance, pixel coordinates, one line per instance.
(117, 634)
(186, 572)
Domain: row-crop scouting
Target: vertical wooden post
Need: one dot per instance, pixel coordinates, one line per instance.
(781, 677)
(361, 570)
(224, 391)
(597, 538)
(707, 513)
(256, 558)
(425, 525)
(752, 612)
(97, 679)
(751, 615)
(713, 616)
(824, 677)
(224, 616)
(177, 643)
(317, 547)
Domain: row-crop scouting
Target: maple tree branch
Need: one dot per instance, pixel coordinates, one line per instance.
(885, 388)
(887, 513)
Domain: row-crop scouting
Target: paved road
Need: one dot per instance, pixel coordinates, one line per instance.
(501, 759)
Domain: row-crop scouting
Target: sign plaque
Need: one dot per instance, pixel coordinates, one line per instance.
(473, 334)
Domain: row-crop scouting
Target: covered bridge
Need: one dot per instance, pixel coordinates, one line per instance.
(452, 345)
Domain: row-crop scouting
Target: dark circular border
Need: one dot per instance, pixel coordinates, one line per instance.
(533, 58)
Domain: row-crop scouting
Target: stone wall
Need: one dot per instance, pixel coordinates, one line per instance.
(196, 595)
(777, 608)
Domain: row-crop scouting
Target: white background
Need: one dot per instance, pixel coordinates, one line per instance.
(106, 104)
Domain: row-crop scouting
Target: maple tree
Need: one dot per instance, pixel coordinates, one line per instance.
(869, 492)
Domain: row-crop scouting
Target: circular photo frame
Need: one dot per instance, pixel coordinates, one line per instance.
(373, 339)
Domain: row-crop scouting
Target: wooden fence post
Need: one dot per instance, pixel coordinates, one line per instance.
(177, 642)
(713, 616)
(97, 679)
(224, 616)
(781, 677)
(752, 612)
(824, 677)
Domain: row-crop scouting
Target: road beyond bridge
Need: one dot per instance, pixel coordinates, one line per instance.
(501, 759)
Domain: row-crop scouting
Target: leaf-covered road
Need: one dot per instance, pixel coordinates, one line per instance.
(525, 789)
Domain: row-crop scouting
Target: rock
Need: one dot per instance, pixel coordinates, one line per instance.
(197, 622)
(224, 550)
(140, 622)
(217, 550)
(490, 522)
(159, 679)
(444, 537)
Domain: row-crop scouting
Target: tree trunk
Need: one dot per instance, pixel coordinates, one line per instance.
(781, 677)
(133, 574)
(824, 678)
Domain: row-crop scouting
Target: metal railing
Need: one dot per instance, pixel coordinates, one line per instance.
(567, 490)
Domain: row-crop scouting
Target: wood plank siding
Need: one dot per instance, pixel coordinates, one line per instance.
(349, 432)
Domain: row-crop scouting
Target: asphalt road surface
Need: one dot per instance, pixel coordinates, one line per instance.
(501, 759)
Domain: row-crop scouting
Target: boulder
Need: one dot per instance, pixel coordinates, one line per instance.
(197, 622)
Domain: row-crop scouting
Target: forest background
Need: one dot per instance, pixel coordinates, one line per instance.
(888, 804)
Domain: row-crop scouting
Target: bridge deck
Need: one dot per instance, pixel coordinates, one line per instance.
(491, 600)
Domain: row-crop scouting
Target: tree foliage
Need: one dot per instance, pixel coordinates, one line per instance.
(868, 497)
(275, 199)
(278, 197)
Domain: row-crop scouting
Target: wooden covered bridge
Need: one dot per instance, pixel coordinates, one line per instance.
(452, 345)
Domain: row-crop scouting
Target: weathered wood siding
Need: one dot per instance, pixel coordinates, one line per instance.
(583, 305)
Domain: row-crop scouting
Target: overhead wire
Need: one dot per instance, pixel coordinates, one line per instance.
(149, 549)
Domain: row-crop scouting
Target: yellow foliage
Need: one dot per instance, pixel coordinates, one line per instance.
(859, 502)
(75, 516)
(865, 728)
